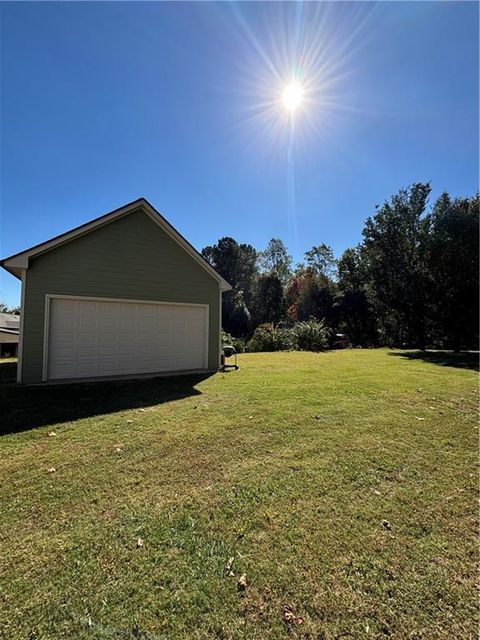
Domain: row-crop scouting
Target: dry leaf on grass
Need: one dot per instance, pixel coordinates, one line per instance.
(140, 543)
(229, 565)
(242, 582)
(290, 617)
(52, 434)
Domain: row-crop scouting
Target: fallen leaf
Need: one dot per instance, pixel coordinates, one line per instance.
(242, 582)
(290, 617)
(229, 565)
(51, 470)
(52, 434)
(140, 542)
(386, 524)
(118, 450)
(250, 417)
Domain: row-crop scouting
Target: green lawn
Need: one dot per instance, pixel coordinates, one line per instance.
(342, 484)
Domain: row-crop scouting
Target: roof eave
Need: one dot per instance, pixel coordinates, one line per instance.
(15, 271)
(17, 262)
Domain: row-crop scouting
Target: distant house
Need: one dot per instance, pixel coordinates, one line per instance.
(9, 330)
(123, 295)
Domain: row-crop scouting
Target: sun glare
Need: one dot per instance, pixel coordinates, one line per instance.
(292, 96)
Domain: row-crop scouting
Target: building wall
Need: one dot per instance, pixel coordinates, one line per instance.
(8, 337)
(131, 257)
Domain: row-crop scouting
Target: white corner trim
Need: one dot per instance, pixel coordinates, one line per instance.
(220, 328)
(46, 334)
(53, 296)
(20, 333)
(207, 332)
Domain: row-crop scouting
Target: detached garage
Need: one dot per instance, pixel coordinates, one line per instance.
(123, 295)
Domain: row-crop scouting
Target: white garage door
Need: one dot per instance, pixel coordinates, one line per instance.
(91, 338)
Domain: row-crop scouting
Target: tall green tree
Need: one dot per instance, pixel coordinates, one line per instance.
(355, 314)
(237, 263)
(393, 246)
(269, 299)
(452, 263)
(240, 320)
(322, 261)
(276, 260)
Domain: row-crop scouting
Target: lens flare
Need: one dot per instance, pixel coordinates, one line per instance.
(293, 80)
(296, 67)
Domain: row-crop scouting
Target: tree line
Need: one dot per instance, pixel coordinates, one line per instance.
(411, 281)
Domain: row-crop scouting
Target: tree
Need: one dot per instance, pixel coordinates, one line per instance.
(4, 308)
(269, 300)
(452, 261)
(356, 317)
(237, 263)
(322, 261)
(393, 246)
(276, 260)
(240, 321)
(309, 295)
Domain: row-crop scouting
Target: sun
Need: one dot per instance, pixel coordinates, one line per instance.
(293, 96)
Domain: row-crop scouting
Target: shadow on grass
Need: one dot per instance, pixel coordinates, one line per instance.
(460, 360)
(8, 371)
(24, 408)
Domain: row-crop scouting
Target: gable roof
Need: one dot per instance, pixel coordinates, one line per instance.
(19, 261)
(9, 322)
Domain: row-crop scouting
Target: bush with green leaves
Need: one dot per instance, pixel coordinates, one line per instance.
(310, 335)
(228, 340)
(267, 337)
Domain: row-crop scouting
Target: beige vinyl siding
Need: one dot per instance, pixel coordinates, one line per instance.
(130, 258)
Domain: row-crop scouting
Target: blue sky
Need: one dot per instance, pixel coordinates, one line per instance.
(178, 102)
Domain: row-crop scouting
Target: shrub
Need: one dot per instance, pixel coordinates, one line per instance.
(227, 339)
(267, 337)
(310, 335)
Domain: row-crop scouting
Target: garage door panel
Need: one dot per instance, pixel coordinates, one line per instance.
(89, 338)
